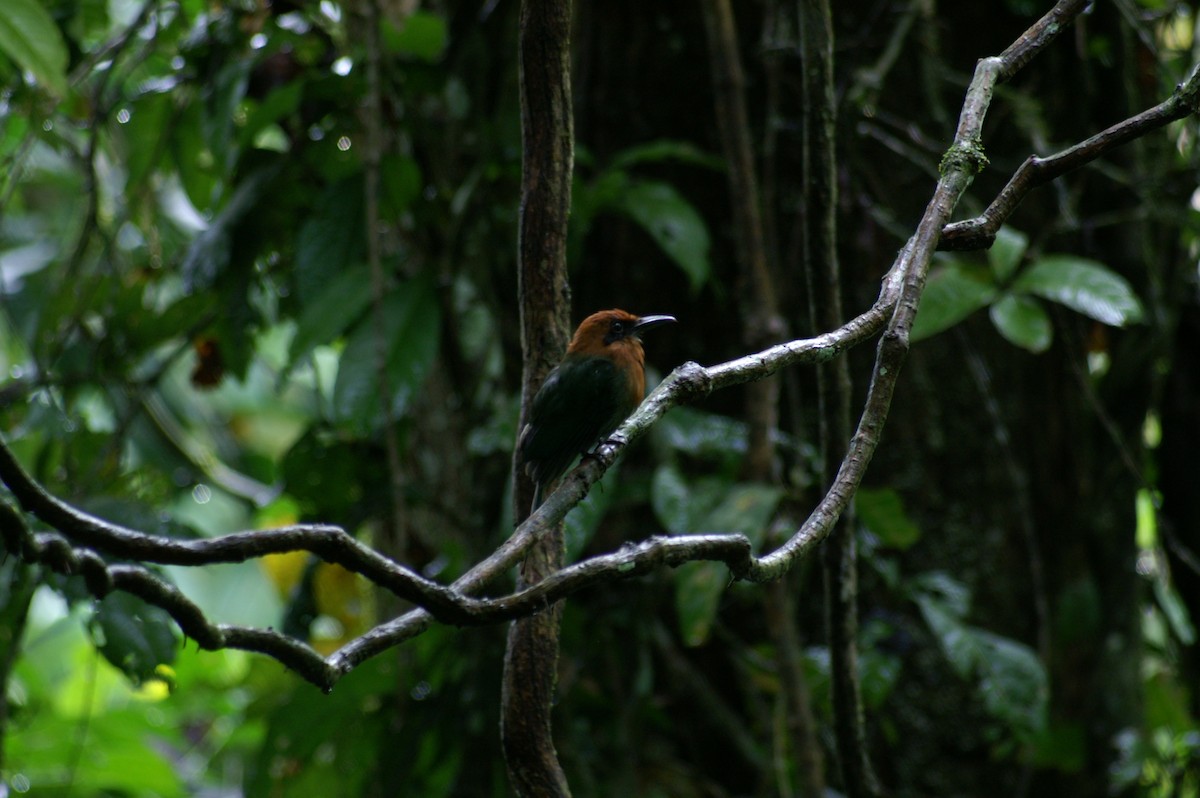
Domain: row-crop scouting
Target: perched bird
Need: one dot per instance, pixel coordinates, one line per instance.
(600, 381)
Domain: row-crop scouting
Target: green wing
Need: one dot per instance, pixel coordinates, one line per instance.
(579, 403)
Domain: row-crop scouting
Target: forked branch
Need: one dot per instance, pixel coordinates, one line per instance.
(84, 538)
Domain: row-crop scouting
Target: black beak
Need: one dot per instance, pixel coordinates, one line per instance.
(647, 322)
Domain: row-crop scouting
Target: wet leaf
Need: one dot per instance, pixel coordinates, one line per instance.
(410, 331)
(1006, 253)
(952, 293)
(328, 314)
(29, 36)
(1011, 679)
(1022, 321)
(673, 223)
(882, 512)
(1084, 286)
(421, 35)
(134, 636)
(739, 508)
(331, 240)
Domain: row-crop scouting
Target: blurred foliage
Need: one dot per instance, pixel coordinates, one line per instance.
(192, 342)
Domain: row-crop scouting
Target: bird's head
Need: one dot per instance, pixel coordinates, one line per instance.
(612, 330)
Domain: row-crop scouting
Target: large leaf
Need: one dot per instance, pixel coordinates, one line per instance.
(1006, 253)
(1085, 286)
(402, 183)
(717, 508)
(882, 511)
(679, 506)
(411, 322)
(331, 311)
(134, 636)
(277, 105)
(194, 158)
(1023, 322)
(1176, 612)
(745, 509)
(331, 239)
(149, 116)
(421, 35)
(121, 758)
(211, 251)
(961, 648)
(698, 589)
(672, 222)
(952, 293)
(584, 519)
(298, 732)
(702, 434)
(29, 36)
(146, 327)
(1011, 679)
(665, 150)
(952, 595)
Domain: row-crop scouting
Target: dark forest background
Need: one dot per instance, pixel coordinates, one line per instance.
(188, 346)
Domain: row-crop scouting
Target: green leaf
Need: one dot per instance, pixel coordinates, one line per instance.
(1176, 612)
(12, 133)
(1013, 683)
(665, 150)
(960, 647)
(421, 35)
(149, 116)
(411, 324)
(147, 327)
(672, 222)
(280, 103)
(211, 251)
(29, 36)
(951, 594)
(123, 756)
(742, 508)
(882, 511)
(1011, 679)
(698, 589)
(671, 499)
(297, 727)
(327, 315)
(325, 476)
(1084, 286)
(333, 237)
(134, 636)
(702, 434)
(880, 665)
(198, 167)
(1023, 322)
(952, 293)
(1006, 253)
(745, 509)
(584, 519)
(402, 183)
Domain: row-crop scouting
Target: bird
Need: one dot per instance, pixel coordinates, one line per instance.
(600, 381)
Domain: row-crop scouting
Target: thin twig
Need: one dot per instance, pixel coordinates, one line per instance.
(895, 308)
(980, 232)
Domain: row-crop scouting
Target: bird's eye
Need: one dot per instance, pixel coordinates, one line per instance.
(618, 327)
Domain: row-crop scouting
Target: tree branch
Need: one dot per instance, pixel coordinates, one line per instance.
(895, 308)
(823, 274)
(980, 232)
(547, 166)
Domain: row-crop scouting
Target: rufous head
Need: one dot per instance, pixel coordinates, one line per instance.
(612, 330)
